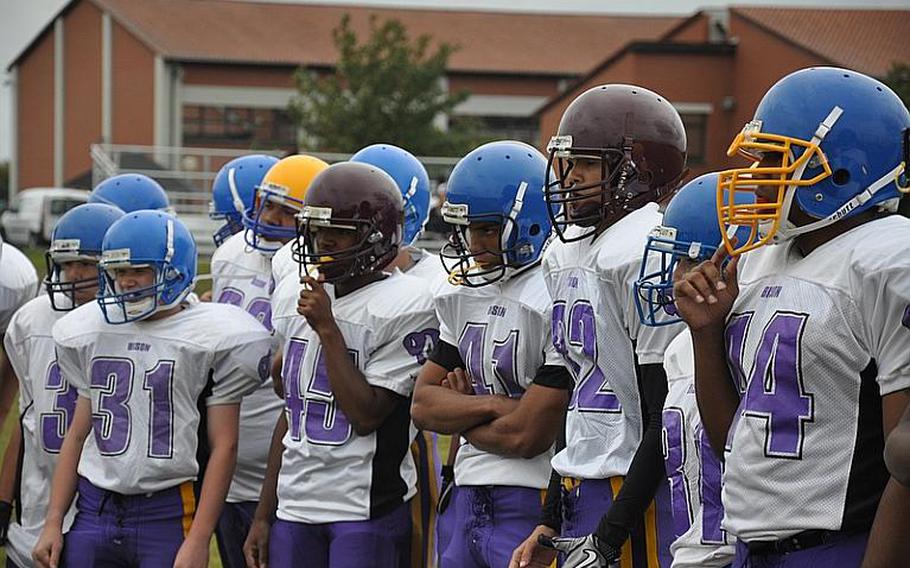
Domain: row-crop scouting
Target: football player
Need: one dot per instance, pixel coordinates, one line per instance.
(801, 348)
(618, 150)
(506, 388)
(342, 477)
(232, 192)
(18, 285)
(140, 364)
(241, 275)
(269, 223)
(46, 402)
(131, 192)
(687, 236)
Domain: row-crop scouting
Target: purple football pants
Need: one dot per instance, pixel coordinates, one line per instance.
(585, 502)
(489, 523)
(842, 552)
(233, 526)
(383, 542)
(135, 531)
(446, 525)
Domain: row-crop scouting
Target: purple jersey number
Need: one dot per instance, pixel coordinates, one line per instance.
(421, 343)
(712, 507)
(674, 431)
(112, 421)
(503, 360)
(259, 308)
(159, 383)
(55, 423)
(592, 392)
(774, 392)
(313, 412)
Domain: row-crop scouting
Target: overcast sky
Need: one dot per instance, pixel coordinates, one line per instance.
(21, 20)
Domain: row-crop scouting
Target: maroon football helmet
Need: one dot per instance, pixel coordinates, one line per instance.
(639, 140)
(356, 197)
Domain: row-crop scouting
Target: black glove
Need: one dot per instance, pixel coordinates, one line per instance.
(6, 511)
(582, 552)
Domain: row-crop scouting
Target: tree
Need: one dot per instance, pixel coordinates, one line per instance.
(898, 78)
(389, 88)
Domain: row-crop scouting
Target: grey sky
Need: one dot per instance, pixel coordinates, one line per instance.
(21, 20)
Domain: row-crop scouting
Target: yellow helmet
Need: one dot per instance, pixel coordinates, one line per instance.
(286, 184)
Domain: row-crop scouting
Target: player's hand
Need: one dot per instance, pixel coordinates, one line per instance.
(48, 548)
(531, 554)
(458, 381)
(193, 553)
(206, 296)
(315, 305)
(586, 551)
(256, 547)
(6, 511)
(704, 295)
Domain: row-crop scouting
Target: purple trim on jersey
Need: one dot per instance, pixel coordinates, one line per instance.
(490, 522)
(144, 531)
(383, 542)
(845, 551)
(233, 526)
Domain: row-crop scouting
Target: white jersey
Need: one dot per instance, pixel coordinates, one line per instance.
(815, 342)
(144, 380)
(46, 407)
(693, 470)
(283, 263)
(18, 282)
(242, 276)
(328, 472)
(502, 332)
(597, 329)
(428, 267)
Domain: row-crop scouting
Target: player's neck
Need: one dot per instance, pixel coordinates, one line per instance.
(357, 282)
(160, 315)
(808, 242)
(403, 261)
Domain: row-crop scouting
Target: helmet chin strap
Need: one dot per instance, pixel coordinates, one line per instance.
(510, 224)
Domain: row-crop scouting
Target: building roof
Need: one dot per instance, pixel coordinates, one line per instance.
(869, 41)
(295, 34)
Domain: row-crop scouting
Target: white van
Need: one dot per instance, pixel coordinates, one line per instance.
(31, 217)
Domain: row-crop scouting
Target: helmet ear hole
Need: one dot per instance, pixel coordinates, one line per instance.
(841, 177)
(534, 230)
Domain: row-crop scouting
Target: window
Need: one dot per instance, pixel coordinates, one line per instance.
(696, 125)
(61, 206)
(523, 128)
(236, 125)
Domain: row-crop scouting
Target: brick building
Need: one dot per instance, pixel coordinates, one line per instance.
(214, 73)
(716, 65)
(220, 74)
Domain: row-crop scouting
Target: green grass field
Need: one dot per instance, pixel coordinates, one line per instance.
(37, 257)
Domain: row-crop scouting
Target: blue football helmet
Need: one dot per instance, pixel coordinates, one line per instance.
(412, 180)
(146, 239)
(689, 230)
(77, 236)
(232, 192)
(832, 140)
(499, 182)
(131, 192)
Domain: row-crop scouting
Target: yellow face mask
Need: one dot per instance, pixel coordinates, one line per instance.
(778, 163)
